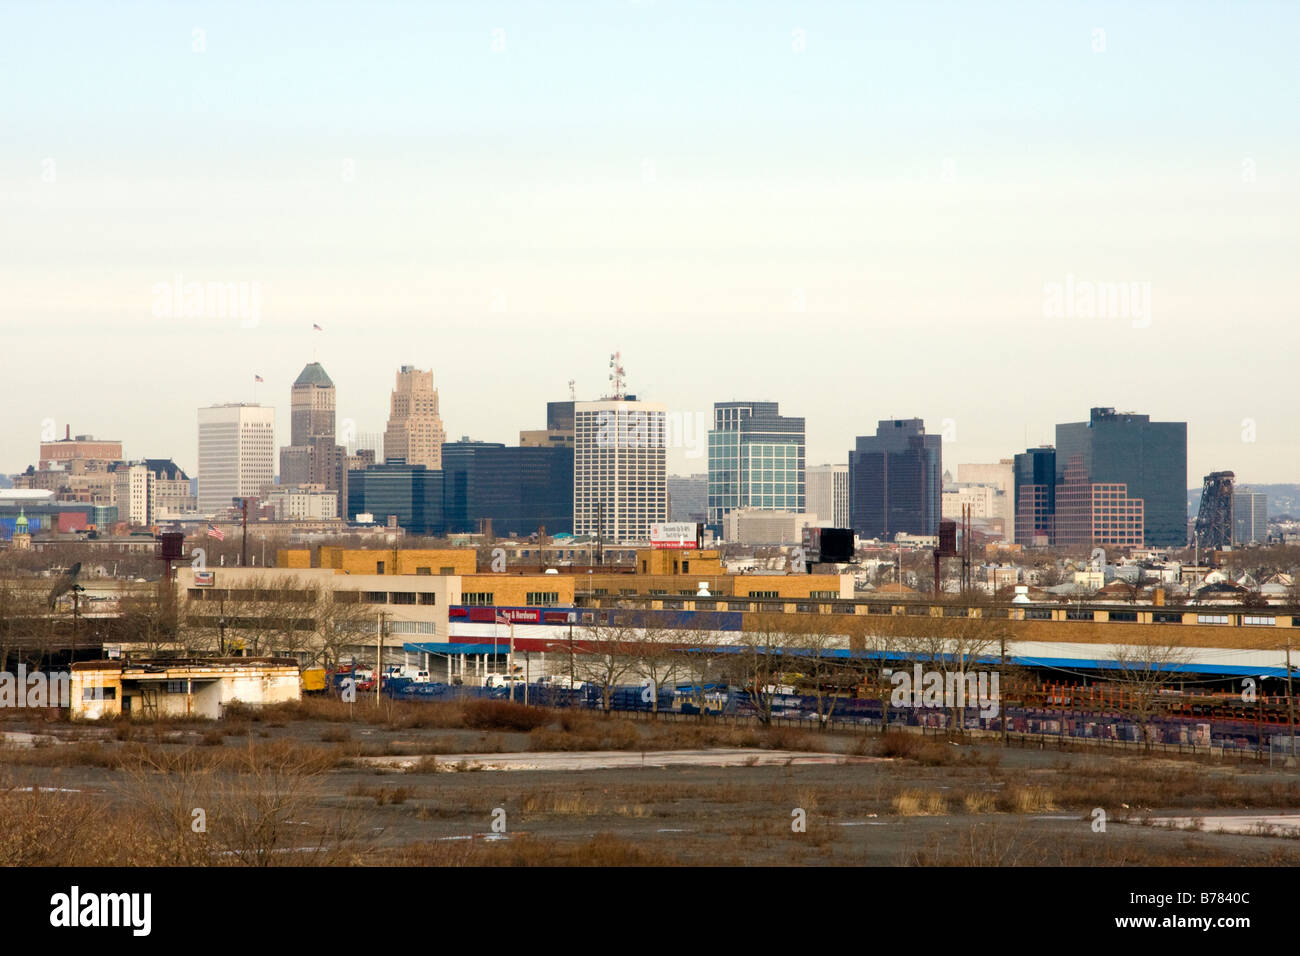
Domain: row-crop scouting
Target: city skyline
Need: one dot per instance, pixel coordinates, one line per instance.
(686, 453)
(922, 199)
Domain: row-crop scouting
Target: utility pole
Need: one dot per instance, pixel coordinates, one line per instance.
(1002, 666)
(243, 538)
(510, 661)
(1290, 698)
(379, 654)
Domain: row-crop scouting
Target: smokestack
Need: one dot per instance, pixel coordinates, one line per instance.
(67, 434)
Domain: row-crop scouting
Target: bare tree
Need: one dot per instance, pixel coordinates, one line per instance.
(1143, 668)
(657, 657)
(761, 663)
(606, 656)
(702, 655)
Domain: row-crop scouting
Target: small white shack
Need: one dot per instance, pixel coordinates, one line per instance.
(177, 688)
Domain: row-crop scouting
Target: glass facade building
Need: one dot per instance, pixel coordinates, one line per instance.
(412, 493)
(519, 489)
(1035, 496)
(756, 460)
(1148, 458)
(896, 480)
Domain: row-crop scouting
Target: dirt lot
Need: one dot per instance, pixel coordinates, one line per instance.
(306, 784)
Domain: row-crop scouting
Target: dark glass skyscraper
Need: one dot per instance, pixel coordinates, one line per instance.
(896, 480)
(519, 489)
(1035, 501)
(1150, 458)
(756, 460)
(413, 493)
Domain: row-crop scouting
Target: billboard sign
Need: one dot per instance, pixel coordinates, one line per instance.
(205, 579)
(675, 534)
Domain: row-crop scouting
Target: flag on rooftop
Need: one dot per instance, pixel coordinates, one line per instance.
(215, 532)
(317, 327)
(257, 378)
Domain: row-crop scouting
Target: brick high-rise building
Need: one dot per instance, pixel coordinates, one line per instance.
(415, 433)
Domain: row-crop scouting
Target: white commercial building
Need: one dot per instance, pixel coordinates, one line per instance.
(754, 526)
(620, 472)
(303, 502)
(828, 494)
(236, 454)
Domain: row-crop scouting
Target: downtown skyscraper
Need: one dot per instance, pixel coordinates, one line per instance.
(236, 454)
(896, 480)
(620, 473)
(756, 460)
(312, 455)
(415, 433)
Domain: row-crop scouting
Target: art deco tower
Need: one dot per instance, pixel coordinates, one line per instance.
(415, 431)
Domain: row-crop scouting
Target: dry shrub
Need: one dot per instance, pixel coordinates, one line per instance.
(383, 795)
(919, 803)
(897, 743)
(561, 803)
(603, 734)
(980, 801)
(39, 827)
(1030, 799)
(504, 715)
(788, 738)
(525, 850)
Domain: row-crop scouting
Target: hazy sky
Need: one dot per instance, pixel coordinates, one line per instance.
(861, 210)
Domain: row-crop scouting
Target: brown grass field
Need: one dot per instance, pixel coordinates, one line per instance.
(284, 785)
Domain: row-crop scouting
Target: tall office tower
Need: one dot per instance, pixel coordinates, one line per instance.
(688, 498)
(1249, 517)
(620, 477)
(1214, 524)
(558, 430)
(1149, 458)
(1095, 513)
(518, 489)
(236, 454)
(896, 481)
(756, 460)
(312, 456)
(1035, 496)
(828, 494)
(415, 433)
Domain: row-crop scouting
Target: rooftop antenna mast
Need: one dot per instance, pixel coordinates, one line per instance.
(617, 375)
(573, 392)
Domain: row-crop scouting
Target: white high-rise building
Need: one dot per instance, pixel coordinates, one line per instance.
(828, 494)
(133, 493)
(236, 454)
(620, 469)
